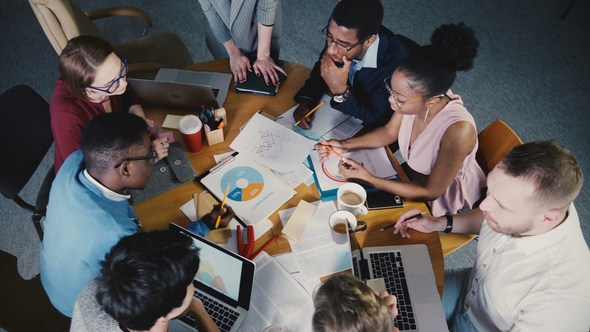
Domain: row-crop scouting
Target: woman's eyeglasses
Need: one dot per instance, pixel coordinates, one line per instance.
(115, 83)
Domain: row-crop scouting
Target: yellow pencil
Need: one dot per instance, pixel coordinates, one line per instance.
(222, 204)
(310, 112)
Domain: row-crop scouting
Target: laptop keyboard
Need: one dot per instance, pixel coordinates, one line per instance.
(215, 92)
(389, 266)
(223, 316)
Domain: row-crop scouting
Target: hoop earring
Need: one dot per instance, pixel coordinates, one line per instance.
(425, 116)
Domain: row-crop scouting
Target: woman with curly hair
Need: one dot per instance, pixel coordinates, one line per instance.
(436, 134)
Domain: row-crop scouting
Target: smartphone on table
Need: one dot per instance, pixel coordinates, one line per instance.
(383, 200)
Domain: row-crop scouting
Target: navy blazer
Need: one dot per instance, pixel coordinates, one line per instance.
(368, 99)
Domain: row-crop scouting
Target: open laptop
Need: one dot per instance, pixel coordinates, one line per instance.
(224, 285)
(407, 272)
(217, 82)
(174, 94)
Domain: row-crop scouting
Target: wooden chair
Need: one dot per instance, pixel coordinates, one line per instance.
(495, 141)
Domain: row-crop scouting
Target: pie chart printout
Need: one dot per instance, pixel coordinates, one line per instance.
(245, 183)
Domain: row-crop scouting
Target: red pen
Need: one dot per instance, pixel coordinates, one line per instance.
(264, 247)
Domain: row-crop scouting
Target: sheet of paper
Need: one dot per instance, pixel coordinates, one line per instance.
(320, 251)
(375, 161)
(271, 144)
(295, 177)
(220, 157)
(276, 297)
(254, 192)
(328, 123)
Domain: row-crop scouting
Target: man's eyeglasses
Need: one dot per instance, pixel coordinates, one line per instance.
(331, 40)
(398, 102)
(115, 83)
(152, 157)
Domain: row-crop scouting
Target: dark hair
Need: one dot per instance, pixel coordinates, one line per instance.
(346, 304)
(145, 276)
(431, 69)
(363, 15)
(78, 62)
(108, 139)
(552, 168)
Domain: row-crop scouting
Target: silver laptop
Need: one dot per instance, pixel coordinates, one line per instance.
(173, 94)
(223, 283)
(219, 83)
(407, 272)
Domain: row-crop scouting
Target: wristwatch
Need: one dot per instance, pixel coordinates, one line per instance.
(339, 98)
(449, 227)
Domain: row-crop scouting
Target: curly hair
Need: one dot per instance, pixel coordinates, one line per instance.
(363, 15)
(431, 70)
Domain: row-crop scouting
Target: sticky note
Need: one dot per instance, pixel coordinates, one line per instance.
(298, 221)
(171, 121)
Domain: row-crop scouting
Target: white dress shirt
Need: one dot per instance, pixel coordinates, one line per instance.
(535, 283)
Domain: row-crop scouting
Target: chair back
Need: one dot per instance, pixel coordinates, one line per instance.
(24, 305)
(495, 141)
(61, 21)
(25, 124)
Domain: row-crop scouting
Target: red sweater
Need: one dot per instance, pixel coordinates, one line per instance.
(70, 114)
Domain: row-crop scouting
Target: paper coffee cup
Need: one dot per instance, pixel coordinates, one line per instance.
(190, 126)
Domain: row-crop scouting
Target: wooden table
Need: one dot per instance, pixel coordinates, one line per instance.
(157, 212)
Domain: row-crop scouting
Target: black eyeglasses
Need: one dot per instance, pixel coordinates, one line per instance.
(152, 157)
(330, 40)
(115, 83)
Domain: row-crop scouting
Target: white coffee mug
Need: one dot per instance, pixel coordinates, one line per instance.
(351, 197)
(341, 220)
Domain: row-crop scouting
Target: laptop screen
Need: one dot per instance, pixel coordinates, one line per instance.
(218, 270)
(222, 274)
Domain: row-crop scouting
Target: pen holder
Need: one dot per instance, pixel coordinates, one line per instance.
(215, 136)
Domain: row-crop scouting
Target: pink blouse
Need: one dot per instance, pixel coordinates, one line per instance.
(465, 189)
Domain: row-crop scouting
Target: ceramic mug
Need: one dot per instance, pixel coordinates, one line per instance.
(351, 197)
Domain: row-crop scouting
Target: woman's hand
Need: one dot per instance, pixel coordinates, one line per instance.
(240, 66)
(350, 169)
(160, 145)
(326, 153)
(267, 67)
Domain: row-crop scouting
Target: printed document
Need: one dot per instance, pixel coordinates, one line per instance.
(328, 123)
(272, 145)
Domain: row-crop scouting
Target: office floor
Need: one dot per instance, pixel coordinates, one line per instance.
(532, 72)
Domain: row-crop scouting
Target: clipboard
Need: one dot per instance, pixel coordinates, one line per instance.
(255, 193)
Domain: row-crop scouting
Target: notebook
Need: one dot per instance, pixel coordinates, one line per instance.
(171, 94)
(218, 82)
(407, 272)
(224, 285)
(257, 85)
